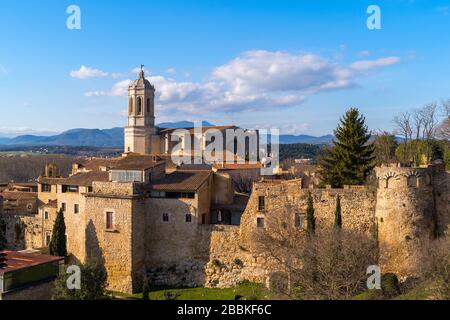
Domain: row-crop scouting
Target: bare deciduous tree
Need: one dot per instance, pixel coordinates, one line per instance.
(282, 241)
(385, 146)
(444, 129)
(435, 266)
(403, 127)
(331, 264)
(335, 263)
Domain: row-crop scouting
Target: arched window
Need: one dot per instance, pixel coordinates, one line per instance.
(139, 105)
(390, 183)
(130, 106)
(148, 105)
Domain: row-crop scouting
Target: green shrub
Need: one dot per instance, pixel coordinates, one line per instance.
(369, 295)
(390, 285)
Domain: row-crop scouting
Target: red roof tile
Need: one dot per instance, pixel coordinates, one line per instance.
(20, 260)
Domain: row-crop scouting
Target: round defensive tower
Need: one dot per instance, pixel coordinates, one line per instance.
(405, 215)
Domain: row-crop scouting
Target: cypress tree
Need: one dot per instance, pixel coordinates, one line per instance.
(338, 214)
(145, 289)
(58, 242)
(310, 219)
(351, 158)
(3, 241)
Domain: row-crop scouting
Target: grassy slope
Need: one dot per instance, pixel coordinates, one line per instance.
(252, 291)
(248, 291)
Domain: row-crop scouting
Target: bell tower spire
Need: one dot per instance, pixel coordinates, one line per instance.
(141, 128)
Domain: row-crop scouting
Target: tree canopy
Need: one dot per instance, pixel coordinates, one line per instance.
(351, 158)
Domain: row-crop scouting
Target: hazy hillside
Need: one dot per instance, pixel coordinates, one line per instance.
(300, 151)
(286, 139)
(115, 137)
(28, 168)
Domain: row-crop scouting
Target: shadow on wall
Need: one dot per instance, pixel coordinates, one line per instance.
(93, 251)
(15, 232)
(178, 254)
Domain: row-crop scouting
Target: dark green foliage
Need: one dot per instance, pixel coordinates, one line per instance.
(58, 242)
(390, 285)
(310, 219)
(351, 159)
(3, 241)
(447, 159)
(93, 284)
(420, 152)
(146, 289)
(338, 214)
(300, 151)
(385, 145)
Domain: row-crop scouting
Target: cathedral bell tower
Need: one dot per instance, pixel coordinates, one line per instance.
(140, 133)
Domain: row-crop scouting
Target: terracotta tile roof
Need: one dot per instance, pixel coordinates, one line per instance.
(181, 181)
(85, 179)
(237, 166)
(25, 184)
(137, 163)
(21, 260)
(195, 167)
(96, 163)
(19, 195)
(191, 129)
(130, 162)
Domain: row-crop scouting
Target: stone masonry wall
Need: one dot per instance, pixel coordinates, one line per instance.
(358, 206)
(113, 248)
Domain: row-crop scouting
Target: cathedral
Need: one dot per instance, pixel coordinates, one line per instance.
(143, 137)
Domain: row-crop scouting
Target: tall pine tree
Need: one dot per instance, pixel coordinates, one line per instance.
(58, 242)
(3, 241)
(310, 219)
(351, 159)
(338, 214)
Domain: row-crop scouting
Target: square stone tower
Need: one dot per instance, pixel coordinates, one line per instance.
(141, 133)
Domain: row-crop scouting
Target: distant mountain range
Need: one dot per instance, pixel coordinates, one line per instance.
(115, 137)
(289, 139)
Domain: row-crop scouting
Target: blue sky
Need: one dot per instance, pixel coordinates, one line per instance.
(296, 65)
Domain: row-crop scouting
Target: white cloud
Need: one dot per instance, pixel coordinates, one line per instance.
(367, 65)
(171, 71)
(87, 72)
(18, 131)
(118, 90)
(285, 128)
(256, 80)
